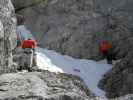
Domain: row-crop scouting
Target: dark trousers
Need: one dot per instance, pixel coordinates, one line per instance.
(28, 59)
(110, 57)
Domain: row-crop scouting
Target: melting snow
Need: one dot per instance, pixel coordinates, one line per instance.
(90, 71)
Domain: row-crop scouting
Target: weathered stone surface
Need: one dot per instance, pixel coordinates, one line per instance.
(46, 85)
(125, 97)
(7, 34)
(120, 17)
(76, 27)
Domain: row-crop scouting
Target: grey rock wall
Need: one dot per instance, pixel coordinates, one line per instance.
(120, 17)
(76, 27)
(69, 27)
(7, 34)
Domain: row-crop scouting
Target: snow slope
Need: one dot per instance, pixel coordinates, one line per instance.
(90, 71)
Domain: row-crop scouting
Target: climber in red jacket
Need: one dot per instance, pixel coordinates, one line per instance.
(28, 47)
(106, 51)
(29, 44)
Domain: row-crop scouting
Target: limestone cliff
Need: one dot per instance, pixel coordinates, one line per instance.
(7, 34)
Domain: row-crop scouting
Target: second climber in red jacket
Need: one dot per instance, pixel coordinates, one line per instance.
(106, 51)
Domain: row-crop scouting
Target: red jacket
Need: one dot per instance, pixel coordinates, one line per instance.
(28, 44)
(105, 47)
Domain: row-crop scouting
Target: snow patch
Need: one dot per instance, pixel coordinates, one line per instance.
(90, 71)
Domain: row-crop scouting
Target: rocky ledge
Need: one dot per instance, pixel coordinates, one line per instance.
(42, 86)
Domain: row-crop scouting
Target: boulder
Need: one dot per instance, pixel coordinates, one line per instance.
(42, 86)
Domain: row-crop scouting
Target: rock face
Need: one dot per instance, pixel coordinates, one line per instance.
(126, 97)
(120, 17)
(76, 27)
(42, 86)
(70, 27)
(7, 34)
